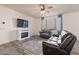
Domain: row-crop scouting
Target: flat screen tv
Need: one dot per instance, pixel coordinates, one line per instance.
(22, 23)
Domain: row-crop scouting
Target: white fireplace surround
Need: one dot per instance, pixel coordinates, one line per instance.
(22, 30)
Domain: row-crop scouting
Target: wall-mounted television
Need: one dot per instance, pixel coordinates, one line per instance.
(22, 23)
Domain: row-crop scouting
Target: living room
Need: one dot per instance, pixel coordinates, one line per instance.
(10, 31)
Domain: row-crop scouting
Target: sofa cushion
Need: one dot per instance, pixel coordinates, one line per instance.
(60, 37)
(66, 40)
(63, 33)
(53, 42)
(65, 36)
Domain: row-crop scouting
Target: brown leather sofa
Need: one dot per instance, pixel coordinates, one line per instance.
(67, 43)
(46, 33)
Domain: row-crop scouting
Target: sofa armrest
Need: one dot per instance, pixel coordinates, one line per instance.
(50, 49)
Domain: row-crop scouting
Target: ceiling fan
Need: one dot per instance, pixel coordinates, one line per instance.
(44, 8)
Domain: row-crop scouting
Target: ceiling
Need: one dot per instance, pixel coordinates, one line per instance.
(33, 9)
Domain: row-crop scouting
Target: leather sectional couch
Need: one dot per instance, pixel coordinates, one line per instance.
(67, 42)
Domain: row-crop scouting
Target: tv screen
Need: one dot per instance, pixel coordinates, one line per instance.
(22, 23)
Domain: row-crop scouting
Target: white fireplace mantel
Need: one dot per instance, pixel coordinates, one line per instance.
(21, 30)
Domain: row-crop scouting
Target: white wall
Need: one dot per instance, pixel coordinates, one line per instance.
(7, 30)
(71, 23)
(37, 26)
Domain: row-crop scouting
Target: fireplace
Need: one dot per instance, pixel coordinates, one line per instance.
(24, 34)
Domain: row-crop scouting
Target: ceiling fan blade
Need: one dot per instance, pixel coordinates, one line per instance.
(43, 7)
(50, 7)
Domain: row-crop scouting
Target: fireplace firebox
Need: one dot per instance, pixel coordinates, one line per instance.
(24, 34)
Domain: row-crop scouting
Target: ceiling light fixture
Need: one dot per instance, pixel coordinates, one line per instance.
(44, 8)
